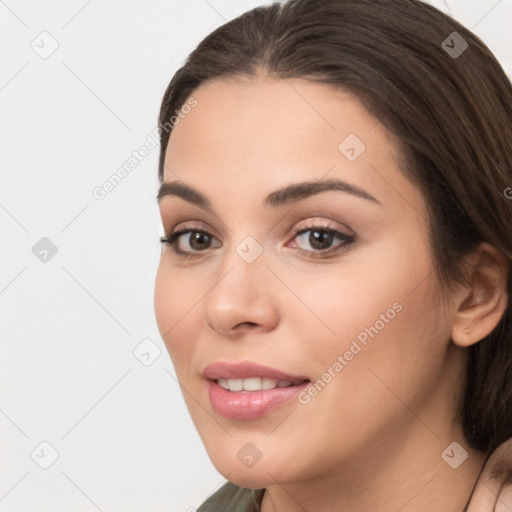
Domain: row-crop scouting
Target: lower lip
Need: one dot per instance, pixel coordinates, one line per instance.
(247, 405)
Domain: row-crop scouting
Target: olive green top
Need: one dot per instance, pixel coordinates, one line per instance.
(231, 498)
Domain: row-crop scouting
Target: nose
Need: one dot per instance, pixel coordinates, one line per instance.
(242, 298)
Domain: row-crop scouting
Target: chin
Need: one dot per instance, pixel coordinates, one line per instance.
(250, 481)
(251, 478)
(237, 466)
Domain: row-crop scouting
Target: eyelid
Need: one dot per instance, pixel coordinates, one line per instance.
(316, 222)
(192, 226)
(309, 223)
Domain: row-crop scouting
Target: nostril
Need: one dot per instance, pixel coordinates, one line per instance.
(248, 324)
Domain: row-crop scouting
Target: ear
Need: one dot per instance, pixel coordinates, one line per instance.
(483, 302)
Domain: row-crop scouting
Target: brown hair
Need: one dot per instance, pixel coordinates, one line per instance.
(451, 112)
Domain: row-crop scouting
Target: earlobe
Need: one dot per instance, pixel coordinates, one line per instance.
(483, 303)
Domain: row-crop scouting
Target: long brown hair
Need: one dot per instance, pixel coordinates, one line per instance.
(444, 96)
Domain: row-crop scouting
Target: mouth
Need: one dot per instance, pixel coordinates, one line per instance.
(249, 390)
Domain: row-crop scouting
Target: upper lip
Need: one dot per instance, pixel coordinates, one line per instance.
(246, 370)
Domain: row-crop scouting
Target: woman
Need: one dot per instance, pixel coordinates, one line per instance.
(334, 283)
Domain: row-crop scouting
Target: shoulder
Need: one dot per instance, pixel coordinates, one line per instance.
(231, 498)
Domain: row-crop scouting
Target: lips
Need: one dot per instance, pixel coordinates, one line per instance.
(240, 402)
(247, 370)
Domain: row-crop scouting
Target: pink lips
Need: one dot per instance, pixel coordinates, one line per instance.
(245, 405)
(223, 370)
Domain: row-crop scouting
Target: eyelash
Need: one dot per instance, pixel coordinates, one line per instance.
(173, 238)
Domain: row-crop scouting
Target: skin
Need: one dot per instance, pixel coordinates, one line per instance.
(372, 438)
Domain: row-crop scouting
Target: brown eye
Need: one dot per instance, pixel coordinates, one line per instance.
(196, 241)
(321, 239)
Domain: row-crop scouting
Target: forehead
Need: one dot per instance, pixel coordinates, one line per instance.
(262, 114)
(261, 134)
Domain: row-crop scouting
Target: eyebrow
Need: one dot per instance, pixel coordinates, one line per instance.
(275, 199)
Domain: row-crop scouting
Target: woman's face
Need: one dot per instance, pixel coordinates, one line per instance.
(352, 319)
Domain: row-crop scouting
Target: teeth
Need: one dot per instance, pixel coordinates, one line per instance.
(252, 384)
(269, 383)
(255, 384)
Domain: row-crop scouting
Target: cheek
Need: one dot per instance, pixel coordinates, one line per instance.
(174, 301)
(388, 282)
(378, 313)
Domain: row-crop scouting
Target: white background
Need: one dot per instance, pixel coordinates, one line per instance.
(69, 326)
